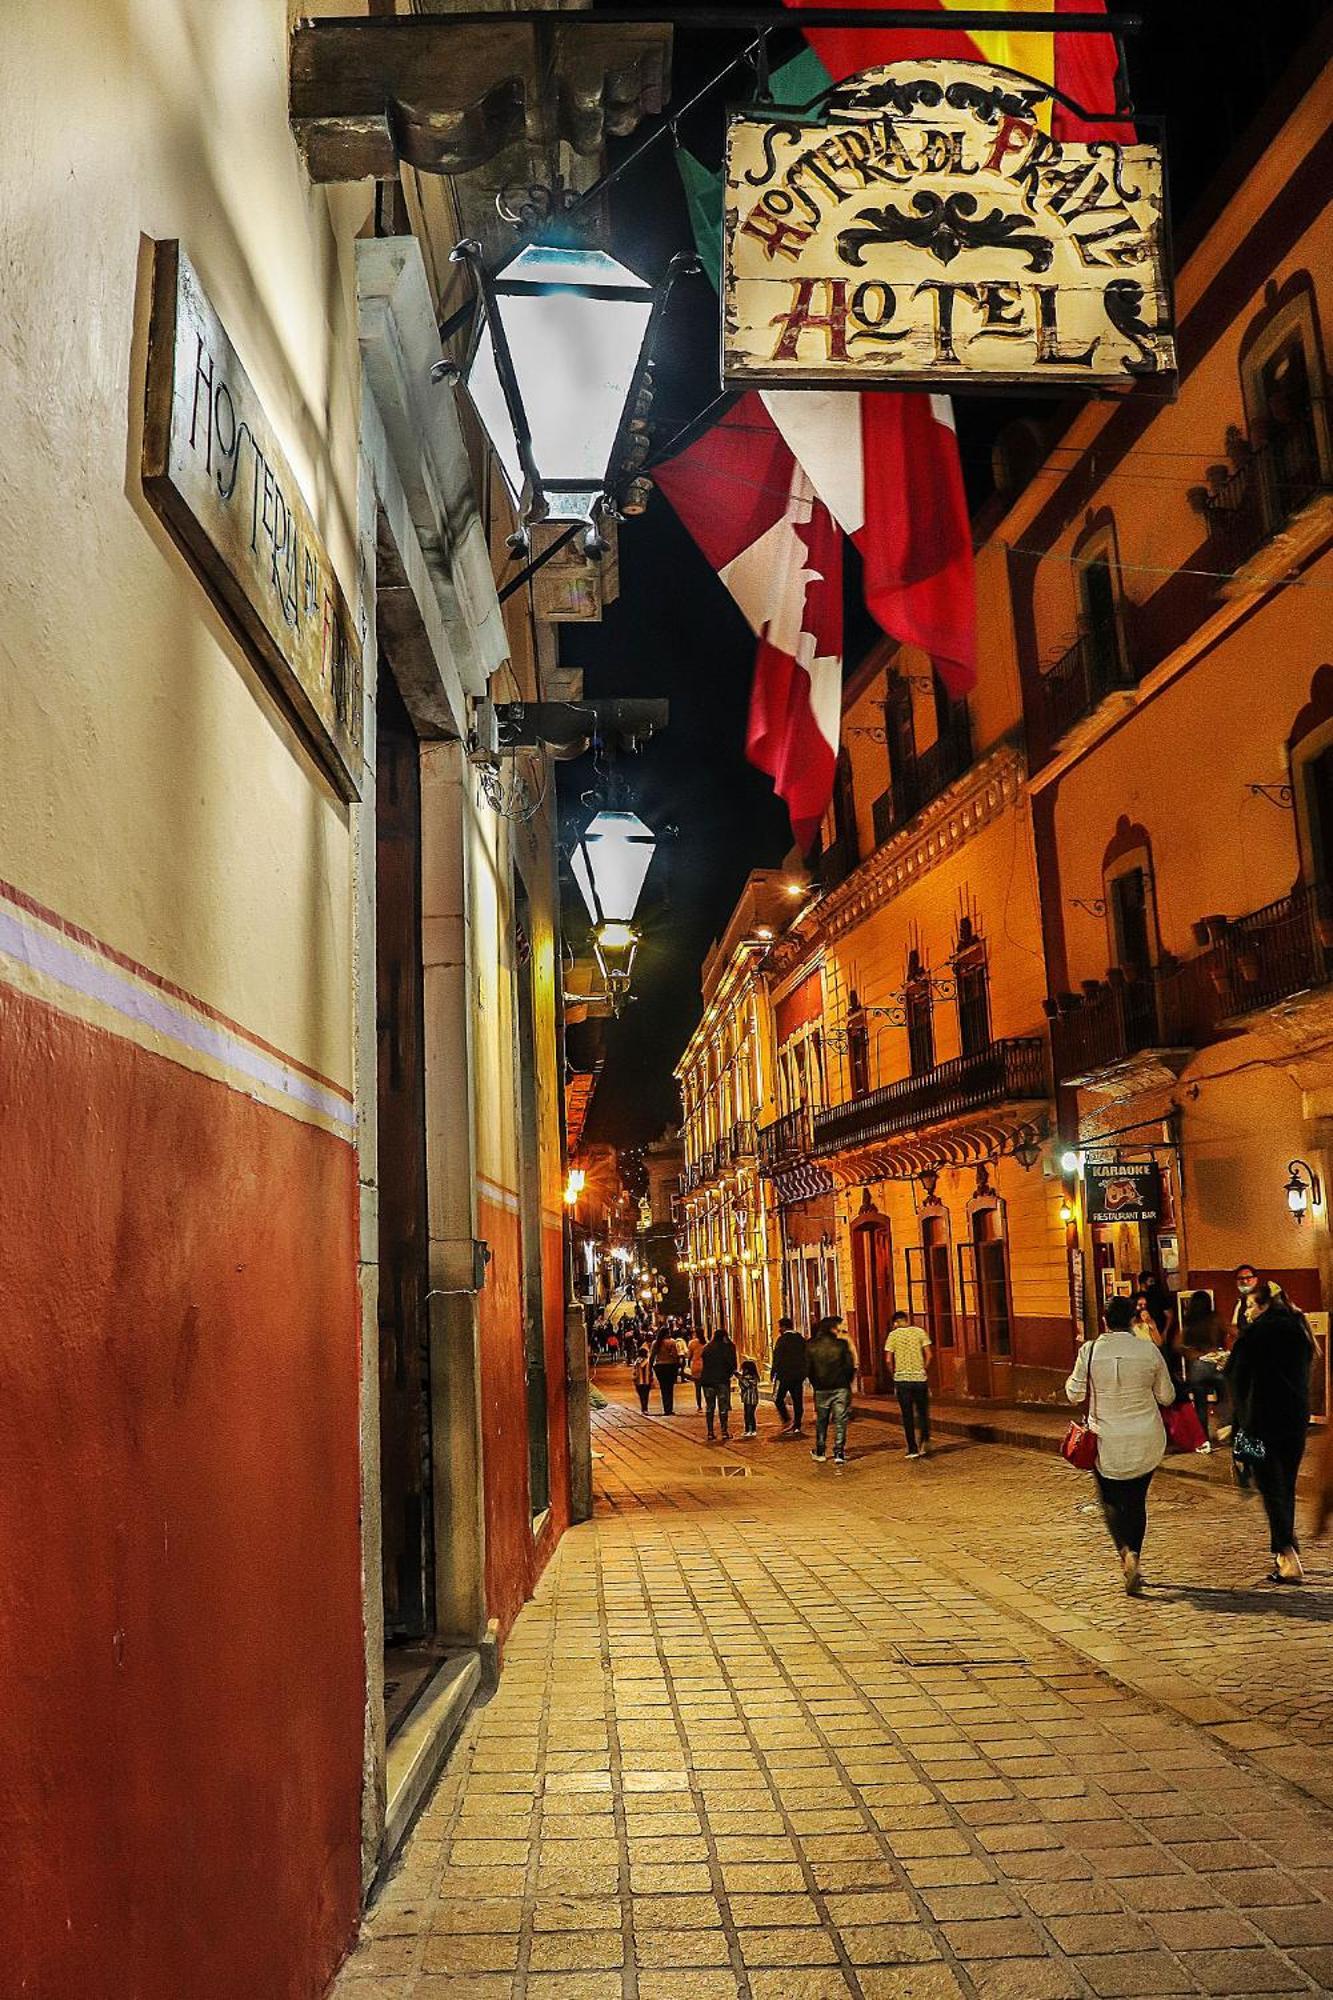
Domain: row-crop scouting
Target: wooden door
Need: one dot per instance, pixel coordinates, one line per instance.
(404, 1355)
(872, 1273)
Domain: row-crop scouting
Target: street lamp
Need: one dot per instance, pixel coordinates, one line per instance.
(560, 349)
(1302, 1188)
(610, 863)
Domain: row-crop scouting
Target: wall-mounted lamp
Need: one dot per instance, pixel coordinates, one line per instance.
(1071, 1161)
(1303, 1188)
(1066, 1210)
(1027, 1151)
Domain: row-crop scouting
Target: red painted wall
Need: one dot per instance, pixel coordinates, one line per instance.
(180, 1610)
(513, 1563)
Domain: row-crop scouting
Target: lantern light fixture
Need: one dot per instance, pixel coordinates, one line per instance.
(557, 372)
(575, 1185)
(1071, 1161)
(1026, 1151)
(1303, 1189)
(1066, 1210)
(610, 864)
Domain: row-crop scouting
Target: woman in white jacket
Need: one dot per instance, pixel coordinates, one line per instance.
(1127, 1386)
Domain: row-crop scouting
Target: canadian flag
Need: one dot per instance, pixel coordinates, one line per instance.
(755, 514)
(886, 466)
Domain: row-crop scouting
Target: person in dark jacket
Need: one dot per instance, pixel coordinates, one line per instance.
(831, 1367)
(1203, 1339)
(665, 1360)
(788, 1372)
(1268, 1376)
(719, 1366)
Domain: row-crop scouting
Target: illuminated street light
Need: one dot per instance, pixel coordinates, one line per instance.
(1071, 1162)
(556, 369)
(610, 864)
(575, 1185)
(1302, 1188)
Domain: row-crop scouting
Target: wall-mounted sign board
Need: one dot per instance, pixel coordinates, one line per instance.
(1118, 1193)
(215, 471)
(926, 232)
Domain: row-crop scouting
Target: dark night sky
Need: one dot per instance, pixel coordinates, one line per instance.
(674, 630)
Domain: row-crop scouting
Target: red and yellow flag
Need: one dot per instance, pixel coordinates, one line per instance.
(1080, 66)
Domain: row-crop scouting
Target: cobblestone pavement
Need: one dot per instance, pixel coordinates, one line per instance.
(775, 1732)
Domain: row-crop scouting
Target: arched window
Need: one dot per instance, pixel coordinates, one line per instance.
(994, 1301)
(940, 1312)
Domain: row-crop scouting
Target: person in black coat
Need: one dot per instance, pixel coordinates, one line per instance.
(718, 1369)
(1268, 1377)
(789, 1375)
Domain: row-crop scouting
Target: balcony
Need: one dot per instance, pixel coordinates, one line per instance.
(784, 1141)
(928, 774)
(1271, 484)
(1096, 665)
(741, 1140)
(1006, 1072)
(837, 861)
(1248, 964)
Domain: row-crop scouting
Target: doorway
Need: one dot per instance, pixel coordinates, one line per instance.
(872, 1279)
(406, 1531)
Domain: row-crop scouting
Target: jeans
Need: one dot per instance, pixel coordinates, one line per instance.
(835, 1403)
(717, 1402)
(643, 1390)
(1125, 1505)
(1203, 1376)
(1275, 1476)
(698, 1392)
(666, 1382)
(796, 1391)
(914, 1402)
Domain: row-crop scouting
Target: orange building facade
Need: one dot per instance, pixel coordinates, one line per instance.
(1057, 1007)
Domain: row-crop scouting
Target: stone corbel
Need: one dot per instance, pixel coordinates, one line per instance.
(448, 96)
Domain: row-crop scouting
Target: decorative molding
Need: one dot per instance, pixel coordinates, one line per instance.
(993, 786)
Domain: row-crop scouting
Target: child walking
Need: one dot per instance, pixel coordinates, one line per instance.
(749, 1387)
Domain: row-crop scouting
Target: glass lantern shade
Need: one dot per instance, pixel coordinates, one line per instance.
(610, 864)
(556, 360)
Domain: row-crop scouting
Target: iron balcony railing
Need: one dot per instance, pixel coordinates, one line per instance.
(740, 1144)
(1253, 962)
(1275, 480)
(1006, 1072)
(784, 1140)
(928, 774)
(1098, 662)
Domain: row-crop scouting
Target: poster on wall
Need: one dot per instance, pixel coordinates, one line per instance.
(925, 231)
(1120, 1193)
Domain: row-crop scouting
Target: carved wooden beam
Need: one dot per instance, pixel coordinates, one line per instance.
(447, 95)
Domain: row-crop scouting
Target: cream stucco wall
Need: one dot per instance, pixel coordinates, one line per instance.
(155, 793)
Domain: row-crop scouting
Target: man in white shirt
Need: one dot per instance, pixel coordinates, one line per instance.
(907, 1351)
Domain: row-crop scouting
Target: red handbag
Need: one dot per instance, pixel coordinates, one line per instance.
(1079, 1444)
(1184, 1432)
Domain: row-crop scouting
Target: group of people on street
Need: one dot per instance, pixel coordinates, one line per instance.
(1152, 1358)
(825, 1360)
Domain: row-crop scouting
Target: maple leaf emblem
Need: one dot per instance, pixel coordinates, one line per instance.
(821, 615)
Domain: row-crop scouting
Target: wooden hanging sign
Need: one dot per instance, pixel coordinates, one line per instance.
(926, 232)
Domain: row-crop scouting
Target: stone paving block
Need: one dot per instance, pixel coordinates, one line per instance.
(475, 1952)
(678, 1878)
(776, 1912)
(1126, 1975)
(1024, 1979)
(478, 1913)
(573, 1986)
(576, 1951)
(795, 1947)
(681, 1948)
(825, 1984)
(888, 1944)
(473, 1986)
(906, 1982)
(574, 1913)
(675, 1913)
(688, 1986)
(1202, 1930)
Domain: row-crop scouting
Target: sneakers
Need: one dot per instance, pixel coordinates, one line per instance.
(797, 1431)
(1130, 1564)
(925, 1447)
(1202, 1450)
(914, 1454)
(818, 1457)
(840, 1458)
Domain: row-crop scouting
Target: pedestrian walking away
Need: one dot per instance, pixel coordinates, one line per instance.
(789, 1374)
(717, 1370)
(666, 1367)
(831, 1367)
(694, 1361)
(748, 1384)
(907, 1351)
(1268, 1376)
(1126, 1384)
(643, 1374)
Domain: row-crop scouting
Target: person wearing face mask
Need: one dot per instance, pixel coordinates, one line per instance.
(1247, 1284)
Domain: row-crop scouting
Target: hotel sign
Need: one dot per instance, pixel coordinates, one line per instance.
(215, 471)
(926, 232)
